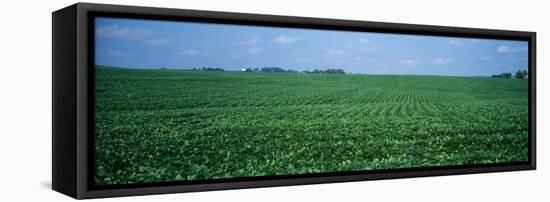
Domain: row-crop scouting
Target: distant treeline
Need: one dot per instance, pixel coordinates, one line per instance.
(269, 69)
(327, 71)
(281, 70)
(520, 74)
(214, 69)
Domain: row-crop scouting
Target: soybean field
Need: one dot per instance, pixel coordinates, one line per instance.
(178, 125)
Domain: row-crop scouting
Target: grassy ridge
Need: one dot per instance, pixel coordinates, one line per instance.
(166, 125)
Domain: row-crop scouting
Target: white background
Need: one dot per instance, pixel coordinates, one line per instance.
(25, 100)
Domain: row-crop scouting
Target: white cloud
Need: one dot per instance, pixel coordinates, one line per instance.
(455, 42)
(249, 52)
(362, 44)
(193, 53)
(337, 53)
(441, 61)
(116, 53)
(408, 62)
(504, 49)
(286, 39)
(255, 50)
(508, 49)
(364, 40)
(115, 31)
(157, 42)
(249, 42)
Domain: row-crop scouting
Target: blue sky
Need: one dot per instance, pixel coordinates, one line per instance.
(182, 45)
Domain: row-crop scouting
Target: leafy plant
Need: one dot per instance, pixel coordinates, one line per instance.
(170, 125)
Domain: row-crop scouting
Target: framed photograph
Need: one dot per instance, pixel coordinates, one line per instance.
(156, 100)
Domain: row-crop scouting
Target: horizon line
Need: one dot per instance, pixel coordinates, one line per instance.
(295, 71)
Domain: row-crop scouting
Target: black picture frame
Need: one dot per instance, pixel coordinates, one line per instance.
(73, 98)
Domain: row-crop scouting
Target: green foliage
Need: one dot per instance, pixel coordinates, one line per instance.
(270, 69)
(521, 74)
(327, 71)
(214, 69)
(168, 125)
(505, 75)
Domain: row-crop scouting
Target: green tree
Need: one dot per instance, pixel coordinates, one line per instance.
(521, 74)
(506, 75)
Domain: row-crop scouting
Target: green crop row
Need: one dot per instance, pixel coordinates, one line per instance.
(169, 125)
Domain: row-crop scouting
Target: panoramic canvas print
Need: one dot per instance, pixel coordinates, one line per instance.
(185, 101)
